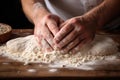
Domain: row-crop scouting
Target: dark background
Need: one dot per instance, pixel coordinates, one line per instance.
(11, 13)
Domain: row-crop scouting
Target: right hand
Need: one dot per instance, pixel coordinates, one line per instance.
(74, 33)
(45, 30)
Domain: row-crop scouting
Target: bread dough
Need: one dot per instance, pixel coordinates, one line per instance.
(27, 50)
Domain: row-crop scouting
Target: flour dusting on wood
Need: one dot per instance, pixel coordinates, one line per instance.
(26, 49)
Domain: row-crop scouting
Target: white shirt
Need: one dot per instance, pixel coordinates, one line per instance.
(70, 8)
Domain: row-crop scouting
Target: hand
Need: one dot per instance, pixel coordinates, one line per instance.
(41, 41)
(46, 28)
(74, 33)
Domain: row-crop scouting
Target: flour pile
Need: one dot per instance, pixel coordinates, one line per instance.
(26, 49)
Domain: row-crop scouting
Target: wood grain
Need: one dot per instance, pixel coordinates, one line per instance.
(10, 68)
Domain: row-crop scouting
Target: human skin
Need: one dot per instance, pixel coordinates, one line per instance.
(46, 24)
(72, 34)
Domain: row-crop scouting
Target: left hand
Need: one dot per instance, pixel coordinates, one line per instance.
(46, 28)
(74, 33)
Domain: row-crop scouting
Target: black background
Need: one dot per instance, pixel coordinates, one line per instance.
(11, 13)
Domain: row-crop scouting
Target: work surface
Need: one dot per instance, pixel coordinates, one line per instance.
(10, 68)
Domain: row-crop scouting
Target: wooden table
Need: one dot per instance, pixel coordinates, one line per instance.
(10, 68)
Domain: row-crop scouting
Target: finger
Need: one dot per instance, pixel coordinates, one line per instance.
(63, 32)
(60, 22)
(73, 44)
(38, 39)
(53, 27)
(79, 46)
(47, 35)
(63, 24)
(71, 36)
(46, 46)
(49, 39)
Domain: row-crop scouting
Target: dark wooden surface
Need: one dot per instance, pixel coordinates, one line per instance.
(10, 68)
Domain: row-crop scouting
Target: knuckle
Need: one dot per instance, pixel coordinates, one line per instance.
(74, 33)
(51, 16)
(58, 37)
(56, 40)
(78, 28)
(74, 20)
(48, 16)
(55, 17)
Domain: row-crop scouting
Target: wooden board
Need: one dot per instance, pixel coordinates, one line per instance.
(10, 68)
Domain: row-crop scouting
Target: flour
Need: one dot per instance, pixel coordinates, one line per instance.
(26, 49)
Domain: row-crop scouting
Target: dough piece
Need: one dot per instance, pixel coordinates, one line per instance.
(22, 44)
(100, 46)
(103, 45)
(27, 50)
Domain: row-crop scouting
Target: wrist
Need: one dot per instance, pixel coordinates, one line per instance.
(91, 21)
(39, 11)
(38, 16)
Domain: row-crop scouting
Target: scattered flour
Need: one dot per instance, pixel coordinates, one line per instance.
(26, 49)
(52, 70)
(32, 70)
(5, 63)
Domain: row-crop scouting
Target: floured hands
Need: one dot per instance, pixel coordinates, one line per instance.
(68, 36)
(74, 33)
(45, 30)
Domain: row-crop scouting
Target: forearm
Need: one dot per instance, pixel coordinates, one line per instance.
(34, 9)
(104, 13)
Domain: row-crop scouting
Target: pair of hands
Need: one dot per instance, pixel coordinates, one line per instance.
(53, 33)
